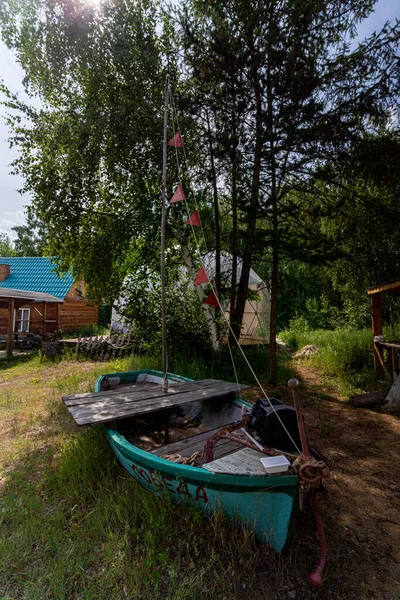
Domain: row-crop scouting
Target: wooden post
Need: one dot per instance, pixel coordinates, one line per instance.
(58, 324)
(376, 312)
(44, 313)
(10, 328)
(393, 360)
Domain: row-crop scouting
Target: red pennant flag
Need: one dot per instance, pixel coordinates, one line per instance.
(212, 300)
(201, 277)
(176, 141)
(194, 219)
(179, 194)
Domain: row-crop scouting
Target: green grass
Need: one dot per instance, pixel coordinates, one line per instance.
(345, 356)
(219, 366)
(73, 525)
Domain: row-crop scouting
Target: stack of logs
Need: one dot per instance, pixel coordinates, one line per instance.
(105, 348)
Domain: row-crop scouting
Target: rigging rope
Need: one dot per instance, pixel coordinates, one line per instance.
(226, 320)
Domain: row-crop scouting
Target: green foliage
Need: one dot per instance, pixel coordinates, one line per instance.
(186, 328)
(105, 315)
(31, 238)
(291, 117)
(89, 330)
(91, 156)
(218, 365)
(6, 246)
(285, 100)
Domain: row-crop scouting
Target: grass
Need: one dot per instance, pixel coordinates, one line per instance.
(345, 356)
(74, 526)
(86, 330)
(219, 366)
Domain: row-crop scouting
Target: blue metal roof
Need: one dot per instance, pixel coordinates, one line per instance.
(35, 274)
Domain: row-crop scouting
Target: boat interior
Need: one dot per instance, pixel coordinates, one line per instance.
(179, 434)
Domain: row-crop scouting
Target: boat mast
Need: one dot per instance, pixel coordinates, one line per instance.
(163, 219)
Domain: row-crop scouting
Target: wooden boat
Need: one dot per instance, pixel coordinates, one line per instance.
(235, 481)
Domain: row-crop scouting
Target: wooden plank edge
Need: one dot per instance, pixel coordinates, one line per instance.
(125, 390)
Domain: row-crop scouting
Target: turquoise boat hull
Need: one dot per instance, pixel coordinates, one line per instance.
(267, 505)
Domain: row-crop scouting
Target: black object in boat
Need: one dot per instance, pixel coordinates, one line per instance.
(265, 422)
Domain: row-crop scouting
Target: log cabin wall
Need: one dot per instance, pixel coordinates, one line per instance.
(72, 315)
(78, 314)
(76, 311)
(42, 318)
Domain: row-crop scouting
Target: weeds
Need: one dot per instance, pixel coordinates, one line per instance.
(345, 355)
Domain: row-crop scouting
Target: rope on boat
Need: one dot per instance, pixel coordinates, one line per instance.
(183, 460)
(316, 576)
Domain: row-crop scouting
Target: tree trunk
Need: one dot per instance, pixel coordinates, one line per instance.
(216, 213)
(273, 313)
(254, 199)
(275, 232)
(234, 234)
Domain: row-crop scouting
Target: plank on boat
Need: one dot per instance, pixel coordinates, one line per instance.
(100, 407)
(242, 462)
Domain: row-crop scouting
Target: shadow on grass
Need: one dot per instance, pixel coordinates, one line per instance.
(17, 359)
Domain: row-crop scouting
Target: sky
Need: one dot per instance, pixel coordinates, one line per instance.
(12, 203)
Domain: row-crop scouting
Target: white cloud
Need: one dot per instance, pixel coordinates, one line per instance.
(11, 219)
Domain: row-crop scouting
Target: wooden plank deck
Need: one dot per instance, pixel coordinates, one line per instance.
(140, 399)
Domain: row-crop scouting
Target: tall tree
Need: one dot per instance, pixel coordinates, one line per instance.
(289, 95)
(91, 155)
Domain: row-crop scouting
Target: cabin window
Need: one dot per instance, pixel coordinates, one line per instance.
(23, 318)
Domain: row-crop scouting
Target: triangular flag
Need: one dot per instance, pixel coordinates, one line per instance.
(179, 194)
(212, 300)
(201, 277)
(194, 219)
(176, 141)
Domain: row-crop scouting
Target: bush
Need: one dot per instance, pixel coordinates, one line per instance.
(140, 311)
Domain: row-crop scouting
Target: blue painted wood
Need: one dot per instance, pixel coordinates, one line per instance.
(265, 504)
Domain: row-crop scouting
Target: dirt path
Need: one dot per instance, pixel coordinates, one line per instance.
(363, 500)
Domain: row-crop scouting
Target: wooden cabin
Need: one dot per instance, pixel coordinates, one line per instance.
(37, 274)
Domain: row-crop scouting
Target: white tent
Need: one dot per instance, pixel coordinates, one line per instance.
(256, 318)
